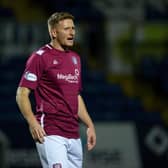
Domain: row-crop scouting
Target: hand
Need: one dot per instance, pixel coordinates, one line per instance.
(91, 138)
(37, 132)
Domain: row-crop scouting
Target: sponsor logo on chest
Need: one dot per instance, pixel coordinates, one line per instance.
(70, 78)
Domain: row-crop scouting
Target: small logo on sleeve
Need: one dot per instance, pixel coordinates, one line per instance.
(30, 76)
(40, 52)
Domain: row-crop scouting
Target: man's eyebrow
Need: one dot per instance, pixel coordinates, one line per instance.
(69, 27)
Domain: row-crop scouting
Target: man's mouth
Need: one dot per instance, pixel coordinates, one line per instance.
(70, 38)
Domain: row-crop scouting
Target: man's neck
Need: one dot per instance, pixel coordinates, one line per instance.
(57, 46)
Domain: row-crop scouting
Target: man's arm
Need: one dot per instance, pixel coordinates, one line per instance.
(86, 119)
(24, 104)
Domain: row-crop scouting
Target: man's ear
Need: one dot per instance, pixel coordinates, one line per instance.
(54, 33)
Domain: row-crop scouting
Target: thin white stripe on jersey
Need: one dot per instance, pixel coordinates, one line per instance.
(42, 120)
(48, 46)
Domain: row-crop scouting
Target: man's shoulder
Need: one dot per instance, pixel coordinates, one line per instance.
(42, 50)
(74, 53)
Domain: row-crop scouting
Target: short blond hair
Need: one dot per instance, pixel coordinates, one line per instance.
(58, 16)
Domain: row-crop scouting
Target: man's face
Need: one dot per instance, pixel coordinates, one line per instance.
(65, 32)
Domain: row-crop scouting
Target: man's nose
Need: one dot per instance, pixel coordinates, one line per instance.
(72, 32)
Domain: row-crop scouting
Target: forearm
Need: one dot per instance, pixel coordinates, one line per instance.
(24, 104)
(23, 101)
(83, 114)
(86, 119)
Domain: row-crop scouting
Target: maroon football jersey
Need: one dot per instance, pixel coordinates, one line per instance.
(55, 78)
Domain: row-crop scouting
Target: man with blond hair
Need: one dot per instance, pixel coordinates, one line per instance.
(53, 73)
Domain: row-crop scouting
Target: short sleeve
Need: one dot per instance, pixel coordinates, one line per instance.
(33, 72)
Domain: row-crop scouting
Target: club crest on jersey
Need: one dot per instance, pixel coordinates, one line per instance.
(57, 165)
(74, 60)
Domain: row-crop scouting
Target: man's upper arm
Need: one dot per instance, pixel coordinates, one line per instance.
(23, 91)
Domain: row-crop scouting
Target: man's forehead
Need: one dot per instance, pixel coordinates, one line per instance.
(66, 22)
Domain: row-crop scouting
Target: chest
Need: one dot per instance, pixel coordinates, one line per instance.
(63, 69)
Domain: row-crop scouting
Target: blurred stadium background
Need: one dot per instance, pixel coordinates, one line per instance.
(124, 48)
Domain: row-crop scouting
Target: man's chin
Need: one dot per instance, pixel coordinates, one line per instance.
(70, 44)
(67, 46)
